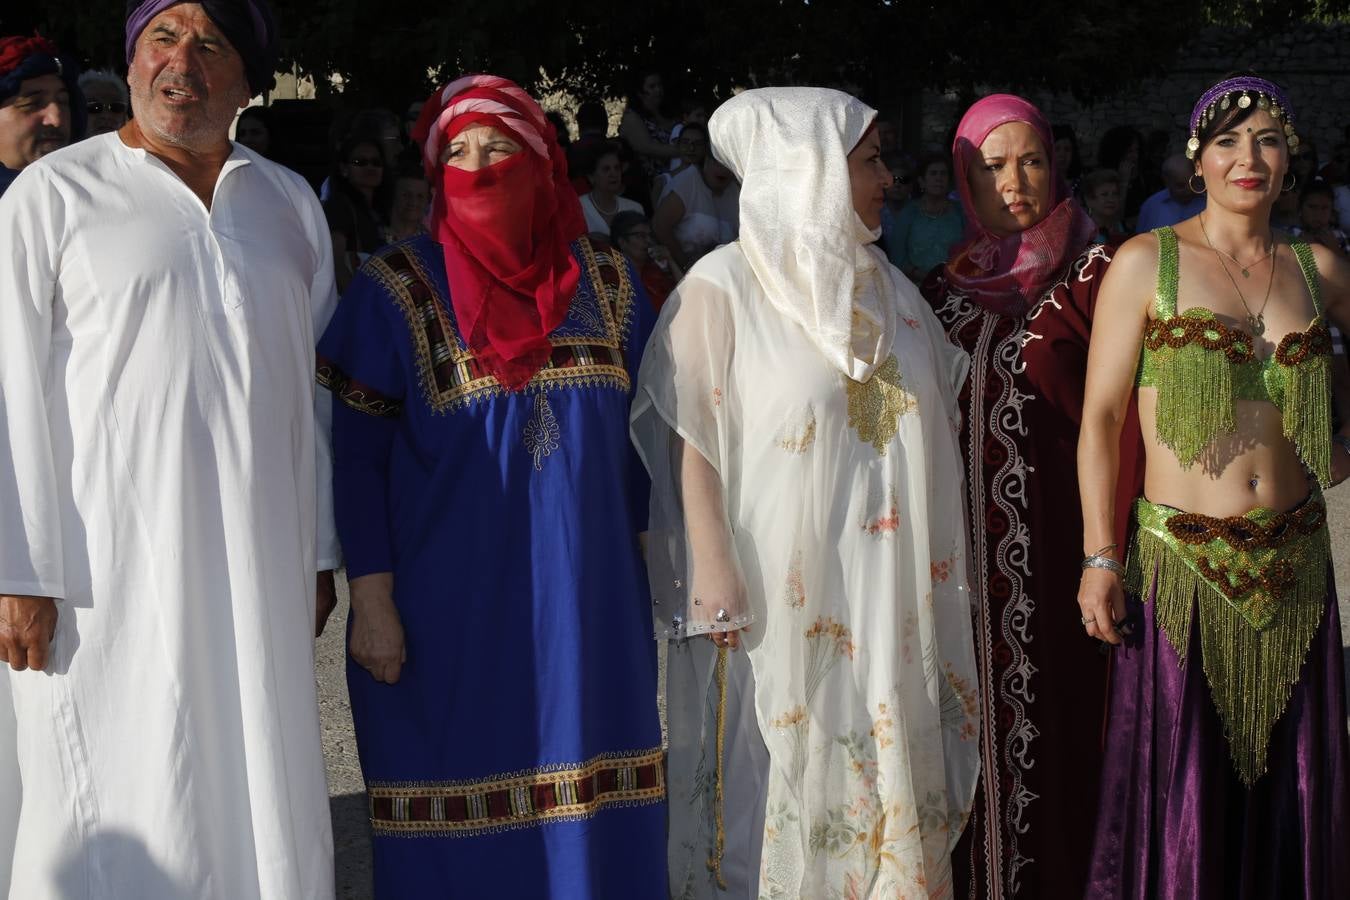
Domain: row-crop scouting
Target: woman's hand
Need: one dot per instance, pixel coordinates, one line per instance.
(729, 639)
(1101, 600)
(377, 631)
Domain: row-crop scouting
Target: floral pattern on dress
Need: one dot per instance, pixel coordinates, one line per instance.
(941, 570)
(828, 641)
(794, 590)
(888, 522)
(798, 432)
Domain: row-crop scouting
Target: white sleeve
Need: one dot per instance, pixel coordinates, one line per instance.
(685, 425)
(323, 301)
(31, 235)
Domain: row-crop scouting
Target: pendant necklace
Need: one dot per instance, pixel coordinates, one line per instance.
(1245, 267)
(1256, 322)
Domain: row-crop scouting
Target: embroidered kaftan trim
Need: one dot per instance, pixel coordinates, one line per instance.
(360, 397)
(541, 432)
(561, 792)
(996, 429)
(588, 347)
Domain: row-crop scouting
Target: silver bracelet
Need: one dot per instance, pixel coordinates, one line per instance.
(1097, 561)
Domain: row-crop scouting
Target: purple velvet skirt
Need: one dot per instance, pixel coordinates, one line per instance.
(1175, 823)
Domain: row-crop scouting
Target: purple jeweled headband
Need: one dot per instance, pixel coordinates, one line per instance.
(1265, 94)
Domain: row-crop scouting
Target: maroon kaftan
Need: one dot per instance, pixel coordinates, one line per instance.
(1043, 682)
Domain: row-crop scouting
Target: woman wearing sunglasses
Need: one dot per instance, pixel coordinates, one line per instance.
(106, 101)
(358, 206)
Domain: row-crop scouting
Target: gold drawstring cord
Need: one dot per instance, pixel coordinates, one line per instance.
(715, 859)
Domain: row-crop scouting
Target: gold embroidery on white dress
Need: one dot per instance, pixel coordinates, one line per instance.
(798, 432)
(541, 431)
(876, 405)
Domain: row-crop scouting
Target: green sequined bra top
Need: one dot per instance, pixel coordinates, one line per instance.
(1200, 366)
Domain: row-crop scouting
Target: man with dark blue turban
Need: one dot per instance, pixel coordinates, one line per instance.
(40, 104)
(161, 529)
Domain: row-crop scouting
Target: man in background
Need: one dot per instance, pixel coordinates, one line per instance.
(1176, 202)
(40, 103)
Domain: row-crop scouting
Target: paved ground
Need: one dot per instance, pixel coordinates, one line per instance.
(351, 833)
(351, 830)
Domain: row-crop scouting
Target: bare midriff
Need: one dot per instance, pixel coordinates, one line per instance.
(1255, 466)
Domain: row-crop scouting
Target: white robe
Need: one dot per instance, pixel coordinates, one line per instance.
(844, 505)
(157, 475)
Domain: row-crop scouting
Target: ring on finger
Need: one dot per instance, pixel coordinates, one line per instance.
(1088, 620)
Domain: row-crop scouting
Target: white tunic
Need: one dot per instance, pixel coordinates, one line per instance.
(157, 475)
(844, 505)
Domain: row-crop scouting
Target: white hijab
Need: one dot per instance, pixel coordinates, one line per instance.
(805, 243)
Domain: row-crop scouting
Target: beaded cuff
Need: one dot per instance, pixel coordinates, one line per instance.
(1258, 583)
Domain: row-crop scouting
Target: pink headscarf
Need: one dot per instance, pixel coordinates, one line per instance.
(1007, 274)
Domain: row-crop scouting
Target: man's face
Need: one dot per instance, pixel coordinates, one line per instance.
(35, 121)
(187, 82)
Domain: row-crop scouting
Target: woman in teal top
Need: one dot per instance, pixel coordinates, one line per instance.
(1227, 761)
(927, 228)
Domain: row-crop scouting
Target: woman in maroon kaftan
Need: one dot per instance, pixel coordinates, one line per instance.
(1019, 298)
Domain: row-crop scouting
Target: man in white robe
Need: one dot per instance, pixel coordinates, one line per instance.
(159, 525)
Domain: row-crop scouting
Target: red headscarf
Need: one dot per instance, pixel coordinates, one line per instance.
(1007, 274)
(506, 231)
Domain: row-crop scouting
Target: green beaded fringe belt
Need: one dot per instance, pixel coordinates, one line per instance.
(1258, 583)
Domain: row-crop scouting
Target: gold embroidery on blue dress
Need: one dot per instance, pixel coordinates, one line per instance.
(564, 792)
(590, 341)
(541, 431)
(876, 405)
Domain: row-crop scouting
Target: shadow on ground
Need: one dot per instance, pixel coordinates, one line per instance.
(351, 846)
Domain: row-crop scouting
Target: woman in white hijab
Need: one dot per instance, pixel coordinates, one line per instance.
(796, 409)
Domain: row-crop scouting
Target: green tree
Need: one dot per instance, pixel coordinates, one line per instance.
(391, 51)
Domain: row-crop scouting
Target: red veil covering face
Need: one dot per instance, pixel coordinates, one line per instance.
(506, 230)
(1007, 274)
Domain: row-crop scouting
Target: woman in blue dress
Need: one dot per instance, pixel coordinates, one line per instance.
(501, 674)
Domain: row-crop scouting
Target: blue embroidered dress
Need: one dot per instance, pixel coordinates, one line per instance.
(519, 755)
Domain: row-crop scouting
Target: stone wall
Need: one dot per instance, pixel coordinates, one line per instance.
(1311, 61)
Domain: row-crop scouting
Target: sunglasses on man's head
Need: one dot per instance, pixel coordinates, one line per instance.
(98, 107)
(365, 162)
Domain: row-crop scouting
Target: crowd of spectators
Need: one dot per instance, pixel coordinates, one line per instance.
(650, 171)
(648, 182)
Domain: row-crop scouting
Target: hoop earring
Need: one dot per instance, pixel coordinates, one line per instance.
(1190, 183)
(1293, 184)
